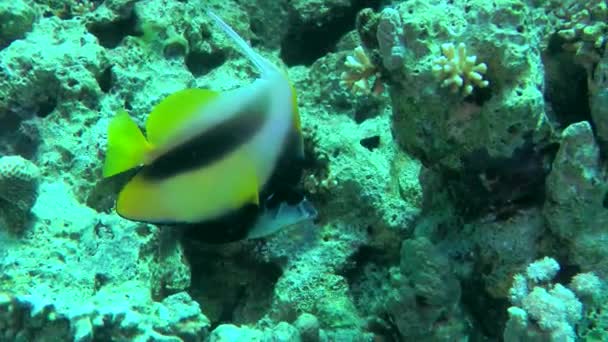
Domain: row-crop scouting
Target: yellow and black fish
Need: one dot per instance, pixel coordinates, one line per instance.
(208, 155)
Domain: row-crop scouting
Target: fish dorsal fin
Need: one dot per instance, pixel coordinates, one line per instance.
(263, 65)
(173, 112)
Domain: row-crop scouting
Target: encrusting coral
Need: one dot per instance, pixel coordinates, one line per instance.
(583, 26)
(459, 71)
(19, 180)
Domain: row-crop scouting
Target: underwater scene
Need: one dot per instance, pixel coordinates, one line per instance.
(303, 170)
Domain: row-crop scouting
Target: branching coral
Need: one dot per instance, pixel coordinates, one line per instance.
(361, 77)
(458, 71)
(583, 26)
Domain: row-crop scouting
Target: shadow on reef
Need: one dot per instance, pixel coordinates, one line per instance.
(306, 42)
(367, 272)
(501, 186)
(566, 90)
(110, 34)
(228, 282)
(490, 313)
(18, 137)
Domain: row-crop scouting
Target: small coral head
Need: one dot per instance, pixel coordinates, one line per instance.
(458, 71)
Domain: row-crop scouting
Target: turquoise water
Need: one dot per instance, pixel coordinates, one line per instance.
(305, 170)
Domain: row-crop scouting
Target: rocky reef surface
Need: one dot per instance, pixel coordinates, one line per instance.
(456, 154)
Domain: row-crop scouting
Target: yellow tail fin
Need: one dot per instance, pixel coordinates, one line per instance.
(127, 146)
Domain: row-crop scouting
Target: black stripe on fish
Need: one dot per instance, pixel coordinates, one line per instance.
(231, 227)
(209, 147)
(283, 187)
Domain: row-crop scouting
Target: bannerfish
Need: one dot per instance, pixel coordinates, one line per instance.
(208, 157)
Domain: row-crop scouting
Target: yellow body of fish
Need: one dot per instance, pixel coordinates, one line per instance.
(205, 153)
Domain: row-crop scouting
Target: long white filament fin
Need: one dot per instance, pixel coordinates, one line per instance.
(264, 66)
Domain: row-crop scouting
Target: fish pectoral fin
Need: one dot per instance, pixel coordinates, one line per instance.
(171, 114)
(285, 215)
(127, 147)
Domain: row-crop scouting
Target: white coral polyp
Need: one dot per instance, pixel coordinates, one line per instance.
(458, 71)
(542, 270)
(586, 284)
(359, 71)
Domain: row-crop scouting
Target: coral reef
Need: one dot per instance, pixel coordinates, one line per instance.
(578, 164)
(16, 19)
(598, 101)
(592, 291)
(436, 208)
(583, 27)
(422, 301)
(503, 256)
(19, 180)
(491, 122)
(27, 318)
